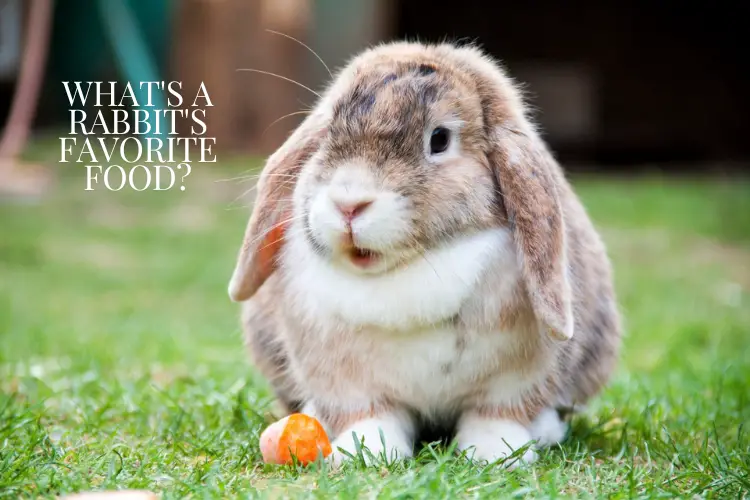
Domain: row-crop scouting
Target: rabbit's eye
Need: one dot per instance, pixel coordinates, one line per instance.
(439, 140)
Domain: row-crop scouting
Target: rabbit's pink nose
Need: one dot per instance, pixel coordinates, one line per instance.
(350, 210)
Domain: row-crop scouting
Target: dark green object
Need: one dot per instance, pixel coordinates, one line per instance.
(124, 40)
(132, 55)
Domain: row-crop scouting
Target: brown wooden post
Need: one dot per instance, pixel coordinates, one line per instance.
(15, 178)
(216, 38)
(202, 44)
(273, 97)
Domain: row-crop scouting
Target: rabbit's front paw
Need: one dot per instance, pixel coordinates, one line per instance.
(488, 439)
(387, 436)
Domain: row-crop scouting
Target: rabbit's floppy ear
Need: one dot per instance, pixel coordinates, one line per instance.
(273, 208)
(532, 190)
(530, 187)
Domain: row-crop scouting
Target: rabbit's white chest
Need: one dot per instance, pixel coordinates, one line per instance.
(432, 370)
(428, 291)
(435, 369)
(394, 335)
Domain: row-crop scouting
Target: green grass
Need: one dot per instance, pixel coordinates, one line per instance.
(122, 366)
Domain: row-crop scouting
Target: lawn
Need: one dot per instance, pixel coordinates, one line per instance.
(122, 365)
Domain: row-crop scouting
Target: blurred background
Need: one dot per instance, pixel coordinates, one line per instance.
(616, 84)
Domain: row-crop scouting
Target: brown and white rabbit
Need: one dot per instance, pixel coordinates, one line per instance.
(416, 256)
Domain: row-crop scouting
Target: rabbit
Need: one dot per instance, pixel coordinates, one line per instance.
(416, 257)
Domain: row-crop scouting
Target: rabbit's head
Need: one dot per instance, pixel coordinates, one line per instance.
(412, 146)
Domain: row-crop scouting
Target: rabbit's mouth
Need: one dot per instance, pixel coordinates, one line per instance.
(362, 257)
(374, 262)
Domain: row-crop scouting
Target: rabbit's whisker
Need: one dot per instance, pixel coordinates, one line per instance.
(277, 120)
(252, 70)
(305, 46)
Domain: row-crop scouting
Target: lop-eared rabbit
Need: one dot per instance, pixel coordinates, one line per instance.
(416, 257)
